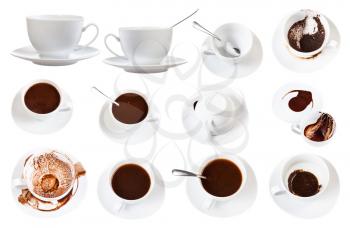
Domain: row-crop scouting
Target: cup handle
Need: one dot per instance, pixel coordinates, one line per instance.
(96, 35)
(296, 128)
(119, 207)
(19, 183)
(208, 52)
(277, 191)
(332, 44)
(208, 204)
(67, 107)
(106, 44)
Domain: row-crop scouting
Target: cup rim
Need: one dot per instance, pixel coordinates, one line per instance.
(238, 162)
(309, 156)
(29, 85)
(145, 28)
(143, 164)
(124, 92)
(70, 163)
(55, 17)
(300, 54)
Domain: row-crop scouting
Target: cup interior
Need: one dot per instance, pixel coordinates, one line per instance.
(309, 163)
(238, 35)
(131, 181)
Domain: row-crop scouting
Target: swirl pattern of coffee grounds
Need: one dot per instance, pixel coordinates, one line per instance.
(322, 130)
(132, 108)
(223, 178)
(42, 98)
(300, 101)
(307, 35)
(303, 183)
(27, 198)
(52, 176)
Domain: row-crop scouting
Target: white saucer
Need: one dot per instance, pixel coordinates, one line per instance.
(296, 64)
(245, 67)
(312, 209)
(282, 110)
(27, 123)
(146, 208)
(30, 54)
(124, 63)
(143, 132)
(201, 134)
(72, 203)
(237, 205)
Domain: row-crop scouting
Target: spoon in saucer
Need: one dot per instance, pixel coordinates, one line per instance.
(235, 52)
(185, 18)
(103, 94)
(184, 173)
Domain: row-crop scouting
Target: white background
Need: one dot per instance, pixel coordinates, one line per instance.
(270, 138)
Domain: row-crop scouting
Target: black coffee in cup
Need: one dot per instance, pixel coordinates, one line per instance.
(42, 98)
(303, 183)
(223, 178)
(131, 182)
(132, 108)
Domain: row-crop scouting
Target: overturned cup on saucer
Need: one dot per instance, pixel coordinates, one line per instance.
(57, 36)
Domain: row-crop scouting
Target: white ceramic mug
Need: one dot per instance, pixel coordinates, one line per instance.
(298, 16)
(307, 162)
(238, 35)
(57, 35)
(310, 119)
(143, 45)
(121, 203)
(209, 200)
(114, 124)
(64, 105)
(28, 171)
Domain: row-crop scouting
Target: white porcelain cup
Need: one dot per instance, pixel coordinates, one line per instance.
(298, 16)
(119, 202)
(143, 45)
(307, 162)
(64, 105)
(308, 120)
(237, 35)
(114, 124)
(210, 200)
(29, 170)
(57, 36)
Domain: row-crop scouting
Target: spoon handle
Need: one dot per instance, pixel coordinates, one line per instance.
(199, 27)
(103, 94)
(180, 172)
(185, 18)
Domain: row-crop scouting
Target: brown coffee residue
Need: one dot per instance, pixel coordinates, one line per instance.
(132, 108)
(322, 130)
(303, 183)
(302, 42)
(26, 197)
(300, 101)
(52, 176)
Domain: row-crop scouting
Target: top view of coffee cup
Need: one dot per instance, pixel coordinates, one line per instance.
(57, 36)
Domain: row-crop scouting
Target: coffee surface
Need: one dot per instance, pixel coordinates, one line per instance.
(42, 98)
(300, 101)
(303, 183)
(322, 130)
(223, 178)
(131, 182)
(132, 108)
(306, 41)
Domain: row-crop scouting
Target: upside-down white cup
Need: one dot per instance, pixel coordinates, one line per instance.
(57, 36)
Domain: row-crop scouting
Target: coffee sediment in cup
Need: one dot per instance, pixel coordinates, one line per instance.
(52, 177)
(303, 183)
(132, 108)
(302, 100)
(223, 178)
(322, 130)
(307, 35)
(131, 182)
(42, 98)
